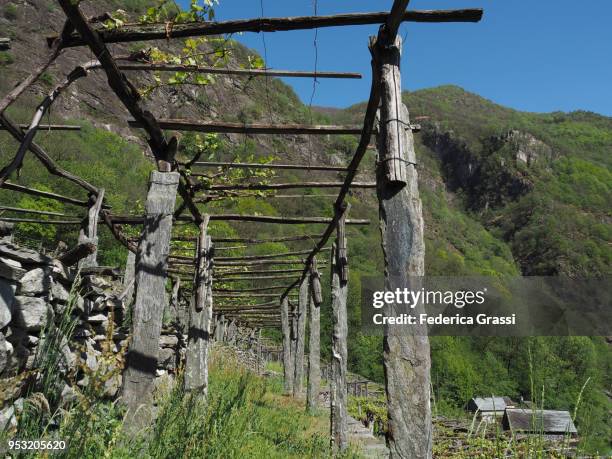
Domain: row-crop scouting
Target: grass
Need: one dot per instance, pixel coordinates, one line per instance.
(245, 416)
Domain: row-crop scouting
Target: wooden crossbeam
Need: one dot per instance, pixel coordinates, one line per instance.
(226, 127)
(305, 167)
(31, 211)
(48, 127)
(244, 290)
(162, 32)
(263, 271)
(40, 221)
(281, 186)
(265, 257)
(139, 220)
(247, 295)
(239, 72)
(235, 279)
(258, 262)
(303, 237)
(44, 194)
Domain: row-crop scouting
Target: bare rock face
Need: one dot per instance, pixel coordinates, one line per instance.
(35, 282)
(24, 255)
(11, 269)
(7, 301)
(31, 313)
(6, 350)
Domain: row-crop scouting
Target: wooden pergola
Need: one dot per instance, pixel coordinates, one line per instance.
(212, 277)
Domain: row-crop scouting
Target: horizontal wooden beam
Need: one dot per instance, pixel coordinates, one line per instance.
(303, 237)
(197, 29)
(236, 279)
(139, 220)
(48, 127)
(247, 295)
(244, 290)
(41, 222)
(267, 256)
(44, 194)
(305, 167)
(239, 72)
(281, 186)
(258, 262)
(243, 128)
(222, 274)
(21, 210)
(226, 127)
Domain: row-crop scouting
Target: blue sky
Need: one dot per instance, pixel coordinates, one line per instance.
(539, 56)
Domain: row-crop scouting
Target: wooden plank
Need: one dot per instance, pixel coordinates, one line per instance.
(239, 72)
(41, 222)
(257, 289)
(222, 274)
(150, 296)
(236, 279)
(305, 167)
(197, 29)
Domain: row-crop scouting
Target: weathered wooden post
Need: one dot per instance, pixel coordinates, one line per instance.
(406, 356)
(337, 382)
(302, 313)
(288, 368)
(89, 229)
(293, 317)
(200, 317)
(150, 289)
(314, 344)
(129, 277)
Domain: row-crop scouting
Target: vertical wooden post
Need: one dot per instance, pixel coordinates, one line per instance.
(288, 368)
(293, 317)
(219, 328)
(198, 336)
(406, 358)
(150, 288)
(314, 353)
(128, 277)
(338, 386)
(89, 229)
(302, 313)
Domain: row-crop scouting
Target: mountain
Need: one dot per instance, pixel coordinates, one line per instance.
(504, 193)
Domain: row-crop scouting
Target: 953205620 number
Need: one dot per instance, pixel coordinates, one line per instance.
(37, 444)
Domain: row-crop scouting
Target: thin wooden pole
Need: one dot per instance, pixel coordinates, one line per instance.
(44, 194)
(49, 127)
(283, 186)
(161, 32)
(305, 167)
(239, 72)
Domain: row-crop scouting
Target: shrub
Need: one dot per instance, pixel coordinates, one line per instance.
(10, 11)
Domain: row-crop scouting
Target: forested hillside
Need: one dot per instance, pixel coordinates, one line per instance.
(504, 193)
